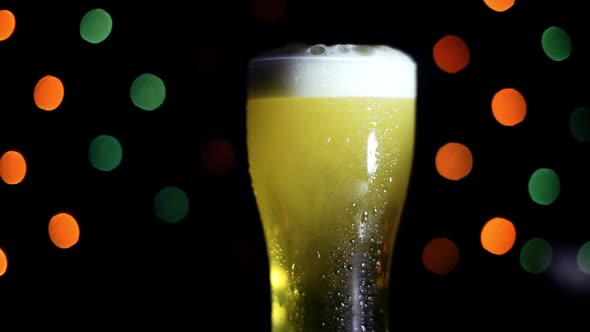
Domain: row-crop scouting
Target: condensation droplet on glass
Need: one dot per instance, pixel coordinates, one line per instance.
(329, 139)
(363, 328)
(318, 254)
(347, 140)
(363, 264)
(390, 179)
(293, 266)
(384, 190)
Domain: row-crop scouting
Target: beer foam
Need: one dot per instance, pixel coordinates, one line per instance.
(341, 70)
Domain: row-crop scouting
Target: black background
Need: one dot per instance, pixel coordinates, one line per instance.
(211, 267)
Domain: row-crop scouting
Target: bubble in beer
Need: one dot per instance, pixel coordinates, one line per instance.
(580, 124)
(171, 204)
(451, 54)
(499, 5)
(96, 26)
(509, 107)
(148, 92)
(498, 236)
(544, 186)
(556, 43)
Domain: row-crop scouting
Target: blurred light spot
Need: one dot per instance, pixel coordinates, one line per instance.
(171, 204)
(279, 315)
(544, 186)
(218, 155)
(498, 236)
(509, 107)
(453, 161)
(535, 255)
(269, 11)
(499, 5)
(440, 256)
(96, 26)
(580, 124)
(148, 92)
(556, 43)
(451, 54)
(63, 230)
(566, 272)
(48, 93)
(7, 24)
(583, 258)
(3, 262)
(278, 277)
(209, 56)
(105, 153)
(13, 167)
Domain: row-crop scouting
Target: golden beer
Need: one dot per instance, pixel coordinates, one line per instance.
(330, 146)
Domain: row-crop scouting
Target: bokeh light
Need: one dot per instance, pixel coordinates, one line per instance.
(580, 124)
(556, 43)
(536, 255)
(269, 11)
(171, 204)
(148, 92)
(544, 186)
(105, 153)
(440, 256)
(508, 107)
(3, 262)
(13, 167)
(451, 54)
(498, 236)
(48, 93)
(64, 231)
(7, 24)
(96, 26)
(453, 161)
(218, 156)
(583, 258)
(499, 5)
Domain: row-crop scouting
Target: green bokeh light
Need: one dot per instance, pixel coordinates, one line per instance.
(544, 186)
(556, 43)
(580, 124)
(148, 92)
(584, 258)
(535, 255)
(96, 26)
(171, 204)
(105, 153)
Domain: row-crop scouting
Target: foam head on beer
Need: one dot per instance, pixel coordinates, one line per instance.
(341, 70)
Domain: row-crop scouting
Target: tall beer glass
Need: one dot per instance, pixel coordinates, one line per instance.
(330, 136)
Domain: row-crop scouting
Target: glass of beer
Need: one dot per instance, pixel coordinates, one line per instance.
(330, 137)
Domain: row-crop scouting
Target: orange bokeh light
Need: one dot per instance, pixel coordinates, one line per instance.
(440, 256)
(13, 167)
(7, 24)
(498, 236)
(63, 230)
(3, 262)
(509, 107)
(451, 54)
(499, 5)
(453, 161)
(49, 93)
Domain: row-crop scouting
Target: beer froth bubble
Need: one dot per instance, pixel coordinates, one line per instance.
(340, 70)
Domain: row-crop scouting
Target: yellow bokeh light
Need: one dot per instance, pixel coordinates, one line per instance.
(278, 277)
